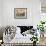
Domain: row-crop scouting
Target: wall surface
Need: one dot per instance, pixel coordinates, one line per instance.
(0, 11)
(33, 12)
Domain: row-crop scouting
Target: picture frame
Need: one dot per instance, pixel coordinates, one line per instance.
(20, 13)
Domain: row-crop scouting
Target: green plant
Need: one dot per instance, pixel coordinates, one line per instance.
(41, 26)
(34, 39)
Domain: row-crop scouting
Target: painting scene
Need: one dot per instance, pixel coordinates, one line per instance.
(20, 12)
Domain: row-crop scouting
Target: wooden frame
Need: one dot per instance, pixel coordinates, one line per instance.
(20, 13)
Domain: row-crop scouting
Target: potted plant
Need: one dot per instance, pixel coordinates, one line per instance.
(41, 27)
(34, 39)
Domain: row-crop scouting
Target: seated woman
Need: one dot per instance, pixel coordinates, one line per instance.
(24, 35)
(18, 33)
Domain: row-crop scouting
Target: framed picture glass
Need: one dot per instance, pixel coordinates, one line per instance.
(20, 13)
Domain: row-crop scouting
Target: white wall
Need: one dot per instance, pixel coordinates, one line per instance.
(0, 12)
(36, 12)
(33, 12)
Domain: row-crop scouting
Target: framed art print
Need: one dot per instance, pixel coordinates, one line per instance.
(20, 13)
